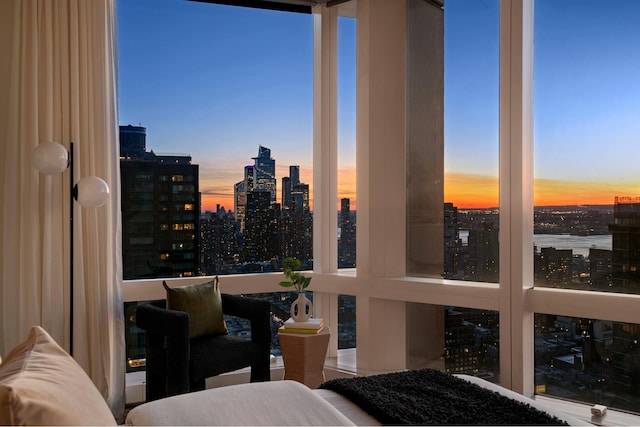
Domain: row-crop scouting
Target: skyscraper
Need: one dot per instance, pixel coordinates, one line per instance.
(554, 267)
(296, 221)
(347, 242)
(452, 242)
(294, 174)
(600, 268)
(300, 198)
(261, 228)
(265, 172)
(286, 192)
(483, 253)
(219, 242)
(240, 191)
(625, 231)
(160, 210)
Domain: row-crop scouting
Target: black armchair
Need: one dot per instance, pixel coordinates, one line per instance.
(177, 364)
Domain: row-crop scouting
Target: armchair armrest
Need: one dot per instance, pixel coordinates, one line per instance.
(168, 349)
(257, 311)
(154, 318)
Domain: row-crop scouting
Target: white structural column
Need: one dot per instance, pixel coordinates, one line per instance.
(325, 162)
(325, 140)
(381, 137)
(381, 184)
(516, 194)
(424, 122)
(400, 158)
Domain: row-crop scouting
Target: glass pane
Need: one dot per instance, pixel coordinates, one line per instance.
(346, 142)
(346, 321)
(472, 342)
(218, 179)
(586, 91)
(471, 125)
(588, 360)
(134, 339)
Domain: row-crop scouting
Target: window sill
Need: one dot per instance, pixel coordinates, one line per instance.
(583, 412)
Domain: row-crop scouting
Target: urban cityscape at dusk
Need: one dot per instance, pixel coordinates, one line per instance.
(163, 236)
(256, 88)
(217, 177)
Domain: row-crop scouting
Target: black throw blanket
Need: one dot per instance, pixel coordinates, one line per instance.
(427, 396)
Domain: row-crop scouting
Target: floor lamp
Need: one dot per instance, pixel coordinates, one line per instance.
(51, 158)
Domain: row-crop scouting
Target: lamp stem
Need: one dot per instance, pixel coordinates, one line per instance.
(71, 206)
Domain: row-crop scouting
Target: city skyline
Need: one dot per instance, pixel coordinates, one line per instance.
(241, 77)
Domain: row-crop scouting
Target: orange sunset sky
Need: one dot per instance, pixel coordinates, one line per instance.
(463, 190)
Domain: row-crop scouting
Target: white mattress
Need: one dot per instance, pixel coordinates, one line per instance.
(278, 403)
(275, 403)
(347, 408)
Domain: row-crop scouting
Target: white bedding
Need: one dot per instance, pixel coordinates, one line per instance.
(275, 403)
(278, 403)
(348, 408)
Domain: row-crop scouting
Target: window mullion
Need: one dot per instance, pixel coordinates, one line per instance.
(516, 193)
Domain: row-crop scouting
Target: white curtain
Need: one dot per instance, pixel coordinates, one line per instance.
(63, 88)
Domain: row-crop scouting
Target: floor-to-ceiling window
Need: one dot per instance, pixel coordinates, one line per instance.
(215, 108)
(471, 159)
(347, 203)
(587, 210)
(589, 331)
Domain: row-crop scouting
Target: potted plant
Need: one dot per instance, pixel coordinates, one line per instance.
(302, 307)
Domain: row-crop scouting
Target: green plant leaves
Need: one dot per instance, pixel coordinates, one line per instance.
(296, 279)
(286, 284)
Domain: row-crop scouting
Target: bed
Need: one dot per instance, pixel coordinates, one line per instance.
(40, 384)
(419, 397)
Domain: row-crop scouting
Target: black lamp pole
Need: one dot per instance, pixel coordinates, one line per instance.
(71, 206)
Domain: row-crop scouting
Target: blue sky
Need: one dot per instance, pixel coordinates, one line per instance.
(216, 81)
(587, 89)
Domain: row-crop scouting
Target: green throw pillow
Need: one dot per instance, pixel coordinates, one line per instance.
(204, 305)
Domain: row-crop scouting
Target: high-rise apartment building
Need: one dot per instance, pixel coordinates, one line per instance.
(219, 250)
(286, 192)
(300, 198)
(554, 267)
(294, 193)
(160, 210)
(294, 174)
(600, 268)
(461, 353)
(261, 237)
(240, 190)
(625, 231)
(347, 241)
(296, 222)
(483, 253)
(452, 242)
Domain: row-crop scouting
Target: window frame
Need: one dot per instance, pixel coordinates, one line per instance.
(514, 297)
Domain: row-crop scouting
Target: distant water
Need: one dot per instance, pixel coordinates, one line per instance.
(579, 244)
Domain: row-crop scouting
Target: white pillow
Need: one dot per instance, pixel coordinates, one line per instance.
(40, 384)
